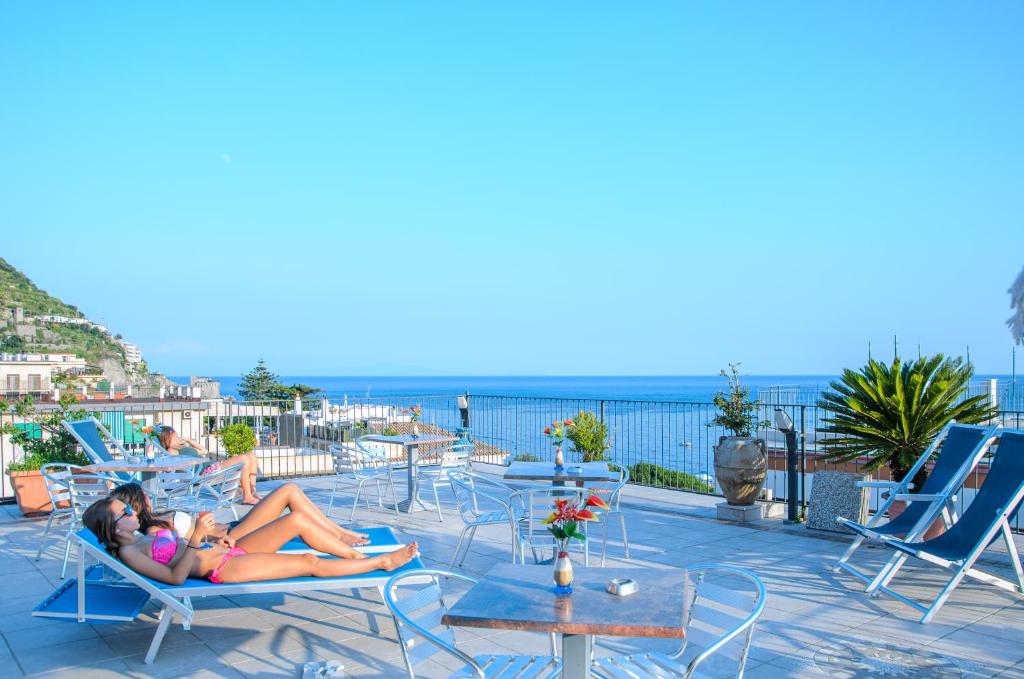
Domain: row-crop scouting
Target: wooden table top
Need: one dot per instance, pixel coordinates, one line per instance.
(408, 440)
(164, 463)
(522, 598)
(545, 471)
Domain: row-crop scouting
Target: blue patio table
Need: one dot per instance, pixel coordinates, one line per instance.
(521, 598)
(411, 445)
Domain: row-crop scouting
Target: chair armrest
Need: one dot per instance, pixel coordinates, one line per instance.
(881, 484)
(910, 497)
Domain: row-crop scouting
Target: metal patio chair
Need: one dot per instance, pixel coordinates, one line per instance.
(610, 493)
(962, 448)
(484, 501)
(71, 492)
(453, 458)
(359, 465)
(533, 532)
(984, 521)
(718, 627)
(213, 491)
(421, 634)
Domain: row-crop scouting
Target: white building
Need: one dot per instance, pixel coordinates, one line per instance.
(22, 374)
(132, 353)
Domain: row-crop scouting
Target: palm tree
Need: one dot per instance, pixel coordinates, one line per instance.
(890, 413)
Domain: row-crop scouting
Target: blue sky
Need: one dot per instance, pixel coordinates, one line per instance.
(533, 188)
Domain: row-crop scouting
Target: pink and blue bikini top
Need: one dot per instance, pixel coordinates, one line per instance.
(165, 546)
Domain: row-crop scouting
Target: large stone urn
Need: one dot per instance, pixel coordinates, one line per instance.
(741, 466)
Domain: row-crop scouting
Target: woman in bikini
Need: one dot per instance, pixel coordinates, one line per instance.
(167, 558)
(176, 445)
(288, 496)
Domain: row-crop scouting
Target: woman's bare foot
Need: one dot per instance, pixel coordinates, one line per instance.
(352, 538)
(399, 557)
(251, 501)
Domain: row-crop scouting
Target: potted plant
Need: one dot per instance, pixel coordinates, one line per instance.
(42, 440)
(238, 439)
(741, 459)
(589, 436)
(887, 415)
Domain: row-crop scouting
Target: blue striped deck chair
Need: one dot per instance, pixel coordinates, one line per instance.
(962, 448)
(93, 437)
(986, 519)
(115, 592)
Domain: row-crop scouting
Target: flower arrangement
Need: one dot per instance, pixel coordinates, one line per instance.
(563, 523)
(413, 412)
(557, 432)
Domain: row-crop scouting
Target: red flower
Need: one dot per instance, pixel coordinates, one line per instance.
(595, 501)
(569, 423)
(547, 430)
(585, 515)
(556, 424)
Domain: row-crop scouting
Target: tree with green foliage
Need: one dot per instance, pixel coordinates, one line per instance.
(281, 392)
(589, 436)
(736, 412)
(891, 413)
(40, 436)
(258, 384)
(12, 344)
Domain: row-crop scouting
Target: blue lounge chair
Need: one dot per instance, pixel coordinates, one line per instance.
(962, 448)
(984, 520)
(122, 598)
(90, 434)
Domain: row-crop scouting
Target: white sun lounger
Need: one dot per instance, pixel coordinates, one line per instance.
(121, 599)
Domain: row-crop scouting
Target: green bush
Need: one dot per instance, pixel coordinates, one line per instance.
(40, 435)
(589, 436)
(389, 431)
(649, 474)
(526, 457)
(238, 439)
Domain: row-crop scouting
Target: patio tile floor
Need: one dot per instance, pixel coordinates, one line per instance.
(812, 618)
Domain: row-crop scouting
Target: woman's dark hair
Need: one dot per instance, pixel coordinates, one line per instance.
(165, 436)
(99, 518)
(132, 494)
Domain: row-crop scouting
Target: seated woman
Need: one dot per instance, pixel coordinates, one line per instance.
(288, 496)
(176, 445)
(167, 558)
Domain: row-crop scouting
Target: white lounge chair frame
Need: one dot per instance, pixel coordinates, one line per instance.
(176, 600)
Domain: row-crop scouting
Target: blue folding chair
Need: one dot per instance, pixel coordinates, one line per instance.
(93, 437)
(962, 448)
(982, 523)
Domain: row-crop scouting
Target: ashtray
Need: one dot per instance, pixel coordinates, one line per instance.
(574, 470)
(622, 586)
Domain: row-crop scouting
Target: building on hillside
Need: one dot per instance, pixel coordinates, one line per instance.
(32, 374)
(132, 353)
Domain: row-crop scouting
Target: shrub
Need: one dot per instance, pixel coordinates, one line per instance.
(238, 439)
(389, 431)
(526, 457)
(41, 438)
(649, 474)
(737, 413)
(589, 436)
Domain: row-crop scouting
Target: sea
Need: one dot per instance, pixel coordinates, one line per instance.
(691, 388)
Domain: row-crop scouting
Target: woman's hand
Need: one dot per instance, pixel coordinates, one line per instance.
(204, 525)
(227, 541)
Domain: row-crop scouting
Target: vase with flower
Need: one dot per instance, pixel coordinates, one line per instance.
(564, 526)
(414, 413)
(556, 433)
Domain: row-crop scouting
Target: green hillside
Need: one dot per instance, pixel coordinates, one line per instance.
(16, 290)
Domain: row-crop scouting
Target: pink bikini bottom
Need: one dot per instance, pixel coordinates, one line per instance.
(214, 575)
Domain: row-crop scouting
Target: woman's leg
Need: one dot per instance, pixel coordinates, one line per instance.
(289, 496)
(274, 535)
(255, 567)
(249, 466)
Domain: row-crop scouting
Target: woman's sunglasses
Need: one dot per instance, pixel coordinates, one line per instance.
(128, 511)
